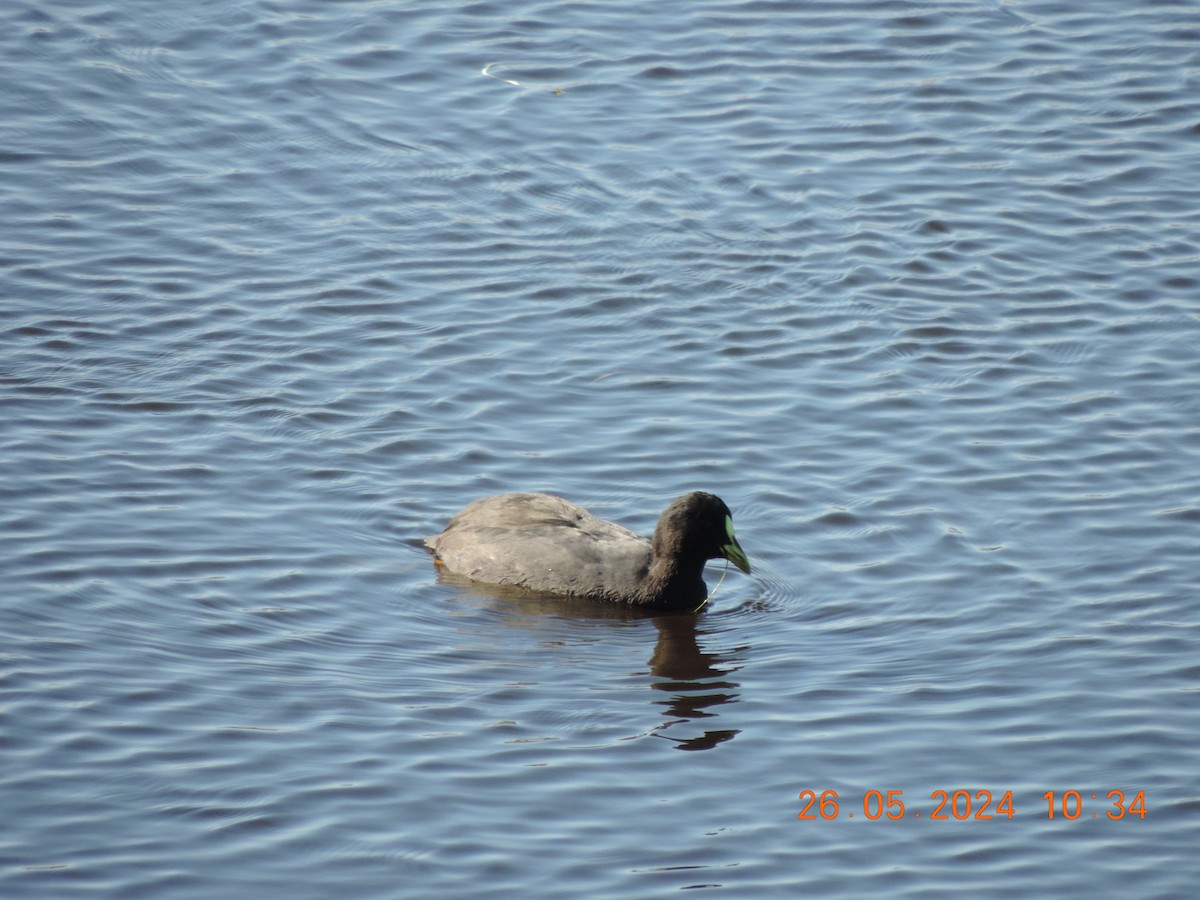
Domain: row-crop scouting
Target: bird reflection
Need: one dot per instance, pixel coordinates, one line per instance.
(694, 682)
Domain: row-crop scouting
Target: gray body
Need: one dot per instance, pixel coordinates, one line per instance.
(543, 543)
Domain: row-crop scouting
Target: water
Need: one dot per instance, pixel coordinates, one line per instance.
(912, 287)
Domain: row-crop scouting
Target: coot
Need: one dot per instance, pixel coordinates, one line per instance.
(544, 543)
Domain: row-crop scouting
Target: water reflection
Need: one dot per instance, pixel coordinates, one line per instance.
(695, 681)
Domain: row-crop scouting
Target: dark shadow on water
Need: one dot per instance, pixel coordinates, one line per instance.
(695, 682)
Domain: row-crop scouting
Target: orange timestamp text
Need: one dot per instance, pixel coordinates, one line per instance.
(962, 805)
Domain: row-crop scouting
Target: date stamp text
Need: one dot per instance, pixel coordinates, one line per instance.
(963, 805)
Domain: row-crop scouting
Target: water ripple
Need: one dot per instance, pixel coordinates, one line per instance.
(913, 289)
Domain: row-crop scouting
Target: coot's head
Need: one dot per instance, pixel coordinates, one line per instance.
(698, 526)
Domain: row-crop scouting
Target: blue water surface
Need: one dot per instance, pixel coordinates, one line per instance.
(915, 287)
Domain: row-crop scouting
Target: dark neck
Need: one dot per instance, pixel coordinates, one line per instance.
(674, 584)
